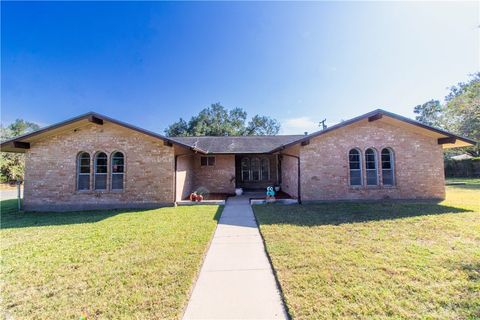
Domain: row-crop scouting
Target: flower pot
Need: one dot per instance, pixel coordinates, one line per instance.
(277, 188)
(199, 198)
(238, 191)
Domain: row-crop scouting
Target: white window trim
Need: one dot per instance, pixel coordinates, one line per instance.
(112, 157)
(360, 157)
(79, 173)
(375, 155)
(392, 166)
(100, 174)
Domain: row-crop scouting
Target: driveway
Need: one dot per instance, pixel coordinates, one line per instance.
(8, 194)
(236, 280)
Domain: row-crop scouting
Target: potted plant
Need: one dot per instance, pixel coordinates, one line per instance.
(199, 194)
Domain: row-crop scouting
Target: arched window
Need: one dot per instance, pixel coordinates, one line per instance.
(101, 169)
(245, 166)
(83, 171)
(371, 167)
(355, 165)
(117, 171)
(255, 169)
(388, 176)
(265, 168)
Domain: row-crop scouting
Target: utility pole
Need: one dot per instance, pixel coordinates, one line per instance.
(322, 124)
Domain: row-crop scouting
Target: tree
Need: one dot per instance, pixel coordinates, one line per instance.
(262, 125)
(12, 164)
(430, 113)
(216, 120)
(460, 113)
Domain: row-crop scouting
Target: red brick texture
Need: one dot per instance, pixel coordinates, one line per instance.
(418, 164)
(50, 175)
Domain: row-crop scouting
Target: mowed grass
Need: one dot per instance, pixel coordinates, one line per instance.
(103, 264)
(388, 260)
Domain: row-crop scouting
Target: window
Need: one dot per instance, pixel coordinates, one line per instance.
(387, 167)
(117, 170)
(245, 167)
(355, 166)
(83, 171)
(265, 169)
(101, 165)
(255, 169)
(207, 161)
(371, 167)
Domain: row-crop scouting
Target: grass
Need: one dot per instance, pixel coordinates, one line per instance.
(389, 260)
(103, 264)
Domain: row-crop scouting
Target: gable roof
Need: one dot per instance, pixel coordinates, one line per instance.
(445, 138)
(237, 144)
(17, 144)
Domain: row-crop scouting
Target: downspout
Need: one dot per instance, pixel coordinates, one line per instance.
(298, 176)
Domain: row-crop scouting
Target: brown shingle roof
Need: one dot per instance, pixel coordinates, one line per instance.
(237, 144)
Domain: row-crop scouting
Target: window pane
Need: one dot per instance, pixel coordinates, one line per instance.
(117, 168)
(255, 168)
(83, 182)
(117, 161)
(211, 161)
(245, 164)
(101, 169)
(203, 161)
(372, 177)
(387, 176)
(354, 165)
(117, 181)
(85, 162)
(85, 169)
(100, 181)
(245, 175)
(355, 178)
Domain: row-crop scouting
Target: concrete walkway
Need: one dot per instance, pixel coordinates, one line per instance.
(236, 280)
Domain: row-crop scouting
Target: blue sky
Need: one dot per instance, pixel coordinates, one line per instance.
(149, 63)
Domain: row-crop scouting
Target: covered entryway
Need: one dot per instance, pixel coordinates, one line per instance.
(257, 171)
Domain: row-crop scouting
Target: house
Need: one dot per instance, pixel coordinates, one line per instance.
(93, 161)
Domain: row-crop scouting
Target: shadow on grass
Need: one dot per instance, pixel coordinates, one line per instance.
(341, 213)
(11, 218)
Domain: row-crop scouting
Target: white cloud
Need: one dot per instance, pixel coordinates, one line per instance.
(298, 125)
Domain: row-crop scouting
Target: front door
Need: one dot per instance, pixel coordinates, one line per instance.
(256, 171)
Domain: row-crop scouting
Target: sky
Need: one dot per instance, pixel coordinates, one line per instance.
(150, 63)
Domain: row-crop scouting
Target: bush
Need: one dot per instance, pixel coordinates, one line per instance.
(466, 168)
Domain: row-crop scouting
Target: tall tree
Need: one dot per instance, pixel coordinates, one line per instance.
(460, 113)
(430, 113)
(462, 110)
(216, 120)
(12, 165)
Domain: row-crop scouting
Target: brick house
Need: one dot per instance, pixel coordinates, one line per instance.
(93, 161)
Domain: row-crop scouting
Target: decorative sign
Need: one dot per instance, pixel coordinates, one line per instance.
(270, 193)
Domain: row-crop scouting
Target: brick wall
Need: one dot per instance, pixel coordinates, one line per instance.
(185, 176)
(290, 172)
(50, 177)
(418, 163)
(218, 178)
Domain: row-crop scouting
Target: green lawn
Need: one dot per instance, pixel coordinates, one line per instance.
(378, 260)
(105, 264)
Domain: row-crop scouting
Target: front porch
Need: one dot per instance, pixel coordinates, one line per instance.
(217, 176)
